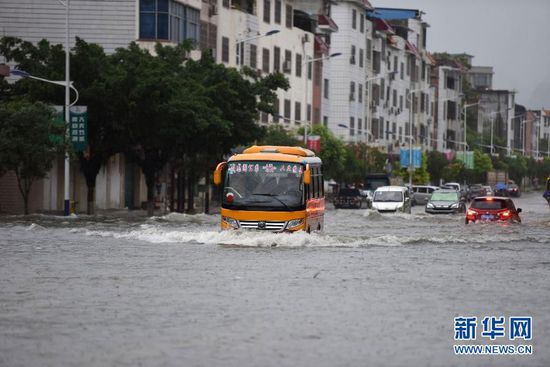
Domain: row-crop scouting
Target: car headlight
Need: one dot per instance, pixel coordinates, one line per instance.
(430, 205)
(400, 205)
(294, 223)
(232, 222)
(455, 206)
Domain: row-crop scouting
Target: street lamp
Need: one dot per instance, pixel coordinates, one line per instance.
(24, 74)
(308, 120)
(240, 43)
(411, 122)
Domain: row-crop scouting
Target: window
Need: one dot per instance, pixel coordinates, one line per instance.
(352, 57)
(395, 64)
(168, 20)
(288, 16)
(360, 57)
(352, 91)
(402, 71)
(353, 18)
(287, 110)
(267, 11)
(308, 116)
(287, 65)
(360, 93)
(278, 11)
(297, 112)
(369, 48)
(225, 49)
(394, 98)
(359, 125)
(407, 102)
(225, 3)
(352, 126)
(450, 82)
(264, 117)
(382, 83)
(362, 23)
(276, 59)
(298, 65)
(325, 121)
(265, 60)
(401, 103)
(325, 88)
(253, 56)
(309, 70)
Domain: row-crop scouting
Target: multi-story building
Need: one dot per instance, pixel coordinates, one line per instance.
(480, 77)
(345, 80)
(402, 95)
(495, 114)
(248, 38)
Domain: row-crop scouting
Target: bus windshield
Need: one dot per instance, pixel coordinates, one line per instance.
(259, 185)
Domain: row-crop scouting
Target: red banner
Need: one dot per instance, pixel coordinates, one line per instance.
(314, 143)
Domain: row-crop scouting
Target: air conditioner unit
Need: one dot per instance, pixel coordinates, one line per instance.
(287, 65)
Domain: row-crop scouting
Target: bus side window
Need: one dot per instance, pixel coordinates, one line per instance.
(320, 183)
(313, 182)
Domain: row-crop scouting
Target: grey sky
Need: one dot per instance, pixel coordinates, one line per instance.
(510, 35)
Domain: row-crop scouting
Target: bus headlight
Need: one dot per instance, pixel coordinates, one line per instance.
(232, 222)
(294, 223)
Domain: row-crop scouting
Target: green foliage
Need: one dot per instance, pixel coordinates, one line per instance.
(455, 171)
(25, 144)
(277, 135)
(436, 163)
(333, 152)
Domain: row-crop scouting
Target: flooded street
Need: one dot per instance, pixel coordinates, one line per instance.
(173, 290)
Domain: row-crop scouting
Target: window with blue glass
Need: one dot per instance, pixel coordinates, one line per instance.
(168, 20)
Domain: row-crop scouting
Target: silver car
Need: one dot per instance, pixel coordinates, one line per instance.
(446, 201)
(421, 194)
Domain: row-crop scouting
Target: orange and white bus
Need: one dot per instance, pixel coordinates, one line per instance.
(273, 188)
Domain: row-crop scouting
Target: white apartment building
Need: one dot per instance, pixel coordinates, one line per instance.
(495, 115)
(243, 39)
(344, 81)
(401, 96)
(448, 125)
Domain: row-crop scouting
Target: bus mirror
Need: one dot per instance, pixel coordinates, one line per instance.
(307, 175)
(218, 173)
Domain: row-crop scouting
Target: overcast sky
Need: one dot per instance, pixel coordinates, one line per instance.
(513, 36)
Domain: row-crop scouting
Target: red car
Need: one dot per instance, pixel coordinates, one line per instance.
(493, 208)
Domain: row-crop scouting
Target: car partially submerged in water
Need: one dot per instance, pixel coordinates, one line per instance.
(348, 198)
(492, 209)
(445, 202)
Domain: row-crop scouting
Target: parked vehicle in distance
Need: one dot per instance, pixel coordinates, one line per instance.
(501, 189)
(513, 190)
(486, 191)
(445, 202)
(476, 190)
(492, 208)
(348, 198)
(421, 194)
(376, 180)
(456, 186)
(392, 199)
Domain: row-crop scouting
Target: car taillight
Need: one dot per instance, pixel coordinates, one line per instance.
(471, 213)
(506, 214)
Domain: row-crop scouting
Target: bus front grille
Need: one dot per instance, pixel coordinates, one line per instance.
(262, 225)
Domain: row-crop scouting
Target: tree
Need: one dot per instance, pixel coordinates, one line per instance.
(26, 144)
(436, 163)
(277, 135)
(333, 153)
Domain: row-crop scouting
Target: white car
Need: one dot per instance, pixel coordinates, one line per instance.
(392, 199)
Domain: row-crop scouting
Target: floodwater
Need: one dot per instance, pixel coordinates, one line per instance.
(376, 290)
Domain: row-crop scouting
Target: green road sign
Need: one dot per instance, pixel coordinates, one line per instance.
(78, 127)
(468, 159)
